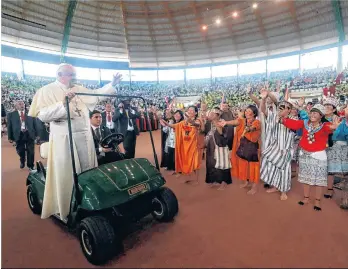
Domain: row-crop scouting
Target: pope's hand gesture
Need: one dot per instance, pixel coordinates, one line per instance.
(116, 79)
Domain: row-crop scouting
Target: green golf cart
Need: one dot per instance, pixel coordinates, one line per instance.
(109, 197)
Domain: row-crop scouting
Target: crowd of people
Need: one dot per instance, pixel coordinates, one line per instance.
(244, 128)
(271, 141)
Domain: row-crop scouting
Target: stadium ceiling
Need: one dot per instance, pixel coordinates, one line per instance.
(171, 33)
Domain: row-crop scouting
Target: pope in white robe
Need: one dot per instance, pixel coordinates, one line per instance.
(49, 106)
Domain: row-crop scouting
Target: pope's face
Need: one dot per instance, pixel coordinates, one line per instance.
(67, 75)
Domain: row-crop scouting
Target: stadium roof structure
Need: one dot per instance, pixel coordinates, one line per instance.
(173, 33)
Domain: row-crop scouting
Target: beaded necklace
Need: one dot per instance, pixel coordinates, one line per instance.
(312, 130)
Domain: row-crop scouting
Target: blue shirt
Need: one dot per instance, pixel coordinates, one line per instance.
(341, 133)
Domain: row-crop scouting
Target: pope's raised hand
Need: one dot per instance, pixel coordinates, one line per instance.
(116, 79)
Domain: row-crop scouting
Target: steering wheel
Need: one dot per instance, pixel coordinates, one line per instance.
(112, 140)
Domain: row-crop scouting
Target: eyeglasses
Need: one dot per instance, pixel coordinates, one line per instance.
(69, 74)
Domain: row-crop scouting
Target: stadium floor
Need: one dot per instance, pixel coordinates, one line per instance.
(213, 229)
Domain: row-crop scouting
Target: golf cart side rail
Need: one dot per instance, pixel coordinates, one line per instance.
(75, 177)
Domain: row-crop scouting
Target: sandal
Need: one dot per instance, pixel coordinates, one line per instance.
(328, 196)
(317, 208)
(303, 203)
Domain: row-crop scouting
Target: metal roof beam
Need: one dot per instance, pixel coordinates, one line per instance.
(293, 12)
(67, 27)
(152, 37)
(125, 25)
(170, 17)
(336, 7)
(262, 29)
(204, 33)
(224, 12)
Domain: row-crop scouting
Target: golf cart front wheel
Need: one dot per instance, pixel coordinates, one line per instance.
(33, 201)
(165, 205)
(98, 240)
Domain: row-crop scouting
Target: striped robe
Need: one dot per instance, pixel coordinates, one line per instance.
(279, 137)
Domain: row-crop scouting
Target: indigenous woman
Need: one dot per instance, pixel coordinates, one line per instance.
(170, 142)
(337, 155)
(246, 166)
(186, 143)
(168, 117)
(334, 149)
(218, 166)
(313, 158)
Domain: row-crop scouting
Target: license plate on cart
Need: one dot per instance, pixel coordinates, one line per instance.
(136, 189)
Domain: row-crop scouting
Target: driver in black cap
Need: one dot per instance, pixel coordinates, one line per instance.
(99, 132)
(124, 118)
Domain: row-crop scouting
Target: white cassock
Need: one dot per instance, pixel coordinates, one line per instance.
(48, 106)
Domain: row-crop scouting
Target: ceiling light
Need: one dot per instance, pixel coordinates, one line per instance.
(255, 5)
(204, 27)
(218, 21)
(235, 14)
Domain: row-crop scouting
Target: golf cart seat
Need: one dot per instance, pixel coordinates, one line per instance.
(44, 154)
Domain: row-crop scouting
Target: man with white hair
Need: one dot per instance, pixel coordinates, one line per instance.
(50, 107)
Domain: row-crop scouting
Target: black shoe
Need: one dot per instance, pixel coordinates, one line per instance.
(31, 168)
(317, 208)
(328, 196)
(22, 165)
(266, 186)
(301, 202)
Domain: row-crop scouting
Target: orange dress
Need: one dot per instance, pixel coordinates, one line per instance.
(186, 148)
(242, 169)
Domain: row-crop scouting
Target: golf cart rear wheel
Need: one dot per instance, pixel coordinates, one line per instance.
(165, 205)
(98, 240)
(33, 201)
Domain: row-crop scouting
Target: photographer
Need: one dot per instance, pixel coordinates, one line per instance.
(125, 120)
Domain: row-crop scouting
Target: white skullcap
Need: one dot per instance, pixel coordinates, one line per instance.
(61, 66)
(319, 108)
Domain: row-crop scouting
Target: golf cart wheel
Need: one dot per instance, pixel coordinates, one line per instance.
(33, 201)
(165, 205)
(98, 240)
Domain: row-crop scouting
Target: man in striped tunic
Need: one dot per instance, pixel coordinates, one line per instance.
(276, 157)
